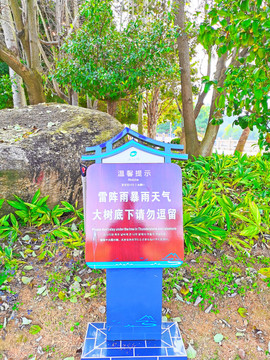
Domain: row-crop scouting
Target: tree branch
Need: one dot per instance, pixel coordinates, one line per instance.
(55, 84)
(203, 94)
(177, 104)
(17, 15)
(162, 109)
(21, 28)
(45, 29)
(10, 58)
(73, 27)
(49, 43)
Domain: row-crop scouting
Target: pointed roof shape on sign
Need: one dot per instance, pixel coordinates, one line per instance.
(141, 144)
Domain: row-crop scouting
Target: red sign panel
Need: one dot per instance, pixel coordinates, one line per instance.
(134, 213)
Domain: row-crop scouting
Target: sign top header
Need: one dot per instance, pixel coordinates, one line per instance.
(143, 149)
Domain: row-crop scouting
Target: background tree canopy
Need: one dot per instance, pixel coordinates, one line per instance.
(110, 64)
(148, 54)
(241, 30)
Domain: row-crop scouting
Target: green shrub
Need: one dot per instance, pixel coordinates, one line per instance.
(175, 141)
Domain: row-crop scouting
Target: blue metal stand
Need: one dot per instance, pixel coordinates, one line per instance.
(134, 330)
(134, 302)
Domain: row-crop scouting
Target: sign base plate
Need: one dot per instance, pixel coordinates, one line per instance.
(170, 347)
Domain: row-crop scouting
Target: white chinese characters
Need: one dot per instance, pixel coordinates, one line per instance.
(137, 214)
(134, 173)
(133, 196)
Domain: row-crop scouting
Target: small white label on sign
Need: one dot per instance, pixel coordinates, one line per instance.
(133, 155)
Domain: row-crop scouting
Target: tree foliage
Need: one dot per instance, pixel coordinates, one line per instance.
(110, 64)
(5, 87)
(5, 92)
(202, 119)
(241, 29)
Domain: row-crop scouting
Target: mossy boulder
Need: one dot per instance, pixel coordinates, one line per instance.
(41, 146)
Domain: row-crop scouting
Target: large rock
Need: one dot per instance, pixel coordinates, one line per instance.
(40, 148)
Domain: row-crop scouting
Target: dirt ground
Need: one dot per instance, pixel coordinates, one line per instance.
(62, 324)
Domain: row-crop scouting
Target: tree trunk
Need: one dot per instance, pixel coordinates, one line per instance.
(75, 8)
(211, 132)
(152, 113)
(152, 128)
(192, 142)
(74, 99)
(208, 141)
(34, 86)
(183, 138)
(59, 18)
(242, 140)
(89, 103)
(140, 117)
(33, 34)
(111, 107)
(25, 19)
(18, 94)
